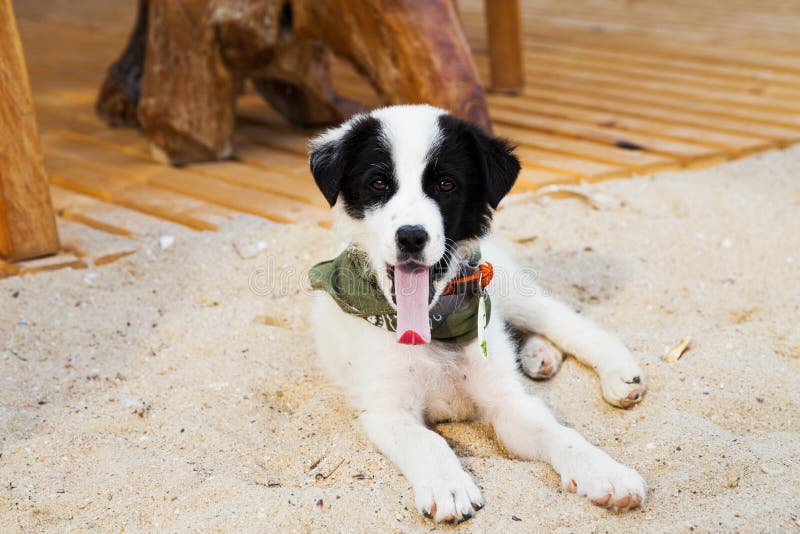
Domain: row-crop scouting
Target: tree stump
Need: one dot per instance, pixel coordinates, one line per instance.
(186, 60)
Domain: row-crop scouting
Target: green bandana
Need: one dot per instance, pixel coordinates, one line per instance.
(352, 283)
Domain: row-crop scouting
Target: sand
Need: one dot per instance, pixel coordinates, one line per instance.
(176, 389)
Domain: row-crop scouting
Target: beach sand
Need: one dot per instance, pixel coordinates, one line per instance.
(177, 390)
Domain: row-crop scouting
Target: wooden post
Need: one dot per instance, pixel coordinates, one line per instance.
(506, 60)
(27, 224)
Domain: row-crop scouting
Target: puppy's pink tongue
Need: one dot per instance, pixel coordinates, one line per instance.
(411, 293)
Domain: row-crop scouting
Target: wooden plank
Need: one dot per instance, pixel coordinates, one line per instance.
(652, 38)
(693, 52)
(768, 92)
(276, 171)
(546, 68)
(657, 91)
(271, 159)
(273, 136)
(680, 104)
(206, 187)
(634, 160)
(504, 32)
(92, 245)
(582, 169)
(64, 260)
(631, 56)
(687, 153)
(666, 32)
(105, 216)
(285, 150)
(285, 173)
(27, 224)
(83, 177)
(69, 214)
(736, 144)
(598, 101)
(77, 116)
(290, 185)
(240, 198)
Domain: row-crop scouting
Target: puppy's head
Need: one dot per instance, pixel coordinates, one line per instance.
(412, 184)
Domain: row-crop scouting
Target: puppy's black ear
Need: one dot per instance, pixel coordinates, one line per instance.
(327, 166)
(499, 165)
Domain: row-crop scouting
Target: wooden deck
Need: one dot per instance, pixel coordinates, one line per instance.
(614, 88)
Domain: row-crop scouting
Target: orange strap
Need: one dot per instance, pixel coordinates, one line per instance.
(485, 273)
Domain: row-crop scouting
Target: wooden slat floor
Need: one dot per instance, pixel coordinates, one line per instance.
(615, 88)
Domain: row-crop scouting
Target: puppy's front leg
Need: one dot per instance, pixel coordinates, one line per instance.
(442, 489)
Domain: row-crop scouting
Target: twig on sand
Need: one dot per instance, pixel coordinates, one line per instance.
(316, 463)
(677, 351)
(323, 476)
(593, 199)
(16, 354)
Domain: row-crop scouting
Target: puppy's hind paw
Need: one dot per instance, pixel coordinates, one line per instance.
(539, 359)
(623, 386)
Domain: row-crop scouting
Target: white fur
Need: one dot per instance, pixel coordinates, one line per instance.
(397, 389)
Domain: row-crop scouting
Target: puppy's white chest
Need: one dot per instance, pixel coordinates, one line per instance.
(444, 396)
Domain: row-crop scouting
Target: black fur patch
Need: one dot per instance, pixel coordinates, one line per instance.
(518, 337)
(349, 165)
(484, 170)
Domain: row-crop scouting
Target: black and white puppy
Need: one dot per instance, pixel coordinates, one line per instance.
(412, 184)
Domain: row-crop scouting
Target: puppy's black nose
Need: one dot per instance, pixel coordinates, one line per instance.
(411, 239)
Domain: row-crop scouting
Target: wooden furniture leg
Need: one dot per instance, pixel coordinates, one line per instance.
(118, 102)
(27, 224)
(180, 74)
(506, 61)
(412, 51)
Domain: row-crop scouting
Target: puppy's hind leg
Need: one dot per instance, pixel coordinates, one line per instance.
(528, 309)
(621, 378)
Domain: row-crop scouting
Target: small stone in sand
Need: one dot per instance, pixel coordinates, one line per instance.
(165, 241)
(249, 250)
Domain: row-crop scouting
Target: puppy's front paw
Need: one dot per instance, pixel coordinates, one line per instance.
(448, 497)
(596, 476)
(624, 385)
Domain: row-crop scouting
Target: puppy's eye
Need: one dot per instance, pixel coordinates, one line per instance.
(446, 185)
(380, 185)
